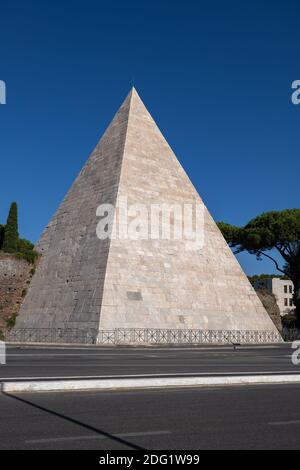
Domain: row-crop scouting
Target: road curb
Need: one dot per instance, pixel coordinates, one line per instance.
(144, 383)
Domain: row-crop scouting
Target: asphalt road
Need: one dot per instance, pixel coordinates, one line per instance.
(261, 417)
(29, 361)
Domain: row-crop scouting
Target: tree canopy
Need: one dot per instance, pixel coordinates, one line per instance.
(10, 241)
(270, 232)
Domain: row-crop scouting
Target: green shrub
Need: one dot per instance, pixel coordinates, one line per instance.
(289, 320)
(10, 322)
(29, 256)
(24, 245)
(25, 250)
(10, 241)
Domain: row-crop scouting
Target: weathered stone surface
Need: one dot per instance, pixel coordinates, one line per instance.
(84, 282)
(15, 276)
(269, 302)
(67, 288)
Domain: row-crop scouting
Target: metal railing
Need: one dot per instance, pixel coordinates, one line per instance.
(141, 336)
(164, 336)
(52, 335)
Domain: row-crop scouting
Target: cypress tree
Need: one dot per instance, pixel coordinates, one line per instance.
(2, 228)
(11, 235)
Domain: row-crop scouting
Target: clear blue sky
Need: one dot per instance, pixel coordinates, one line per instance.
(216, 76)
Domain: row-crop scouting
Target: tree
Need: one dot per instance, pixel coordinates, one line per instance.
(257, 277)
(276, 230)
(11, 235)
(2, 229)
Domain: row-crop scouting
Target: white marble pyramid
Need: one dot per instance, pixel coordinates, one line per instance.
(141, 289)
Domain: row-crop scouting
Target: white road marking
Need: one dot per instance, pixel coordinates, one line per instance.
(284, 423)
(116, 376)
(143, 383)
(217, 354)
(80, 355)
(97, 437)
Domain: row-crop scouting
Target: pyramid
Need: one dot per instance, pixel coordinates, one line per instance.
(141, 289)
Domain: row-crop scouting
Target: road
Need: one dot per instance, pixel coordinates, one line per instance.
(261, 417)
(43, 361)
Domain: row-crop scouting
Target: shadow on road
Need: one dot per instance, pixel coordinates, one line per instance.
(75, 421)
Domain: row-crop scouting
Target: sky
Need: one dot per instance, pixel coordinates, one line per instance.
(215, 75)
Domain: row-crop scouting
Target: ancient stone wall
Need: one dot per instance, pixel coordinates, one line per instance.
(15, 276)
(269, 302)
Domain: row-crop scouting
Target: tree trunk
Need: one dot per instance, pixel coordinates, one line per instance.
(296, 282)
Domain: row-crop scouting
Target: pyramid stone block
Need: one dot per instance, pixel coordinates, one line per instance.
(144, 285)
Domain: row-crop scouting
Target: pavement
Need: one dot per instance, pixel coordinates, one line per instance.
(231, 417)
(261, 417)
(30, 362)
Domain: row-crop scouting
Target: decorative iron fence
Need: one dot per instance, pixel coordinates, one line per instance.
(51, 335)
(160, 336)
(142, 336)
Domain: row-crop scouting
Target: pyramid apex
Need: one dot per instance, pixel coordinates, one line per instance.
(133, 92)
(131, 98)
